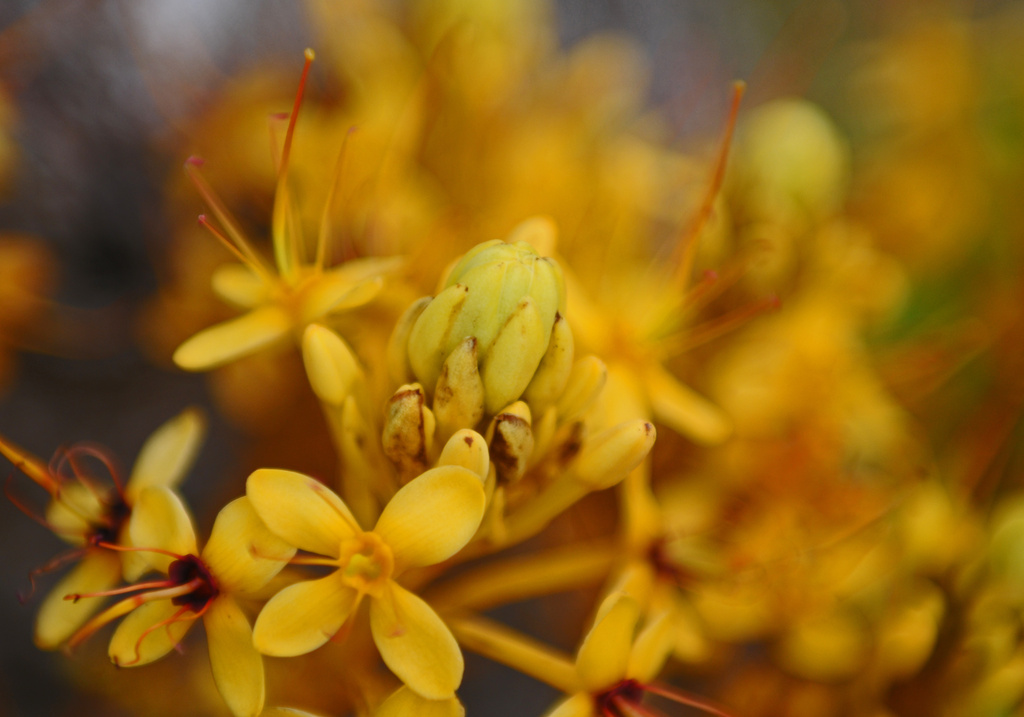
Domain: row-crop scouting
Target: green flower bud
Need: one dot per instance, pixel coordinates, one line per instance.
(508, 298)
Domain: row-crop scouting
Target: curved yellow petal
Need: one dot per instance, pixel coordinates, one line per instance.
(286, 712)
(433, 516)
(168, 453)
(303, 616)
(159, 520)
(579, 705)
(404, 702)
(148, 633)
(300, 509)
(59, 618)
(684, 410)
(239, 285)
(603, 658)
(334, 293)
(652, 647)
(242, 553)
(237, 666)
(233, 339)
(415, 643)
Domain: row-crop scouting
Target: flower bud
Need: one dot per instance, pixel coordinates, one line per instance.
(585, 382)
(505, 296)
(459, 395)
(408, 431)
(468, 449)
(553, 373)
(331, 366)
(607, 456)
(510, 437)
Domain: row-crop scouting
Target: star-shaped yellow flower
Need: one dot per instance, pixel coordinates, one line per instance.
(92, 516)
(240, 558)
(284, 300)
(615, 669)
(430, 519)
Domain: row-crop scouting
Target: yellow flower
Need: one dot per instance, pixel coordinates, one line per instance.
(427, 521)
(240, 558)
(93, 517)
(284, 302)
(614, 670)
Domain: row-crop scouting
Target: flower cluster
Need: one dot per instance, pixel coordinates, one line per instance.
(488, 285)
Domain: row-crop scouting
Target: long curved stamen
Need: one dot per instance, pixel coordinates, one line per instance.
(49, 566)
(241, 255)
(325, 217)
(132, 549)
(684, 698)
(723, 324)
(686, 248)
(284, 224)
(223, 214)
(17, 503)
(176, 617)
(94, 450)
(151, 585)
(124, 607)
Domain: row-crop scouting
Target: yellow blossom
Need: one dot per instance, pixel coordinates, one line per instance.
(91, 516)
(281, 303)
(430, 519)
(239, 559)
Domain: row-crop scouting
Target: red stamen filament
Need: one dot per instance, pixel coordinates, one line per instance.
(237, 238)
(684, 698)
(17, 503)
(325, 218)
(176, 617)
(124, 607)
(686, 248)
(50, 565)
(151, 585)
(721, 325)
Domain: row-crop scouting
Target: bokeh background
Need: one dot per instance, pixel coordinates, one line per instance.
(99, 100)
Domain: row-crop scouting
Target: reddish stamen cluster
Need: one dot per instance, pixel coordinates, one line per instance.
(625, 699)
(190, 569)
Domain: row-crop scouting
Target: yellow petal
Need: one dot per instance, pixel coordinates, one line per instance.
(331, 366)
(168, 453)
(159, 520)
(59, 618)
(303, 616)
(433, 516)
(603, 657)
(239, 285)
(300, 509)
(336, 293)
(404, 702)
(579, 705)
(237, 667)
(652, 647)
(415, 643)
(146, 635)
(233, 339)
(242, 553)
(684, 410)
(286, 712)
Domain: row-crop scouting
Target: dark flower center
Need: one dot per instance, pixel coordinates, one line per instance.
(191, 569)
